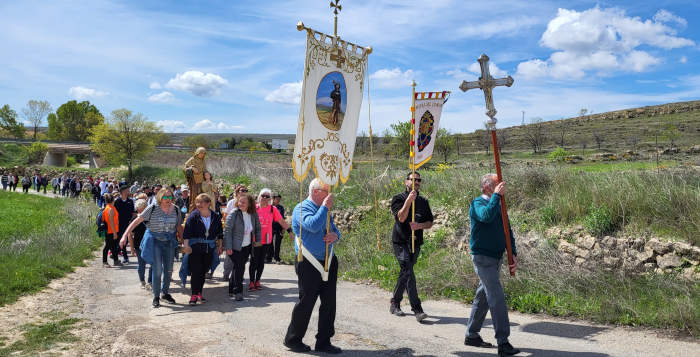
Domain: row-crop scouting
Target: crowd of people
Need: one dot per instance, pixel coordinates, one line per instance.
(160, 223)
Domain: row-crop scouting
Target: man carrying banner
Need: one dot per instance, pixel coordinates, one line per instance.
(401, 241)
(314, 211)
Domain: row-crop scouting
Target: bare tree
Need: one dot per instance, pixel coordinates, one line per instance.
(534, 134)
(361, 141)
(598, 137)
(633, 141)
(503, 139)
(563, 128)
(35, 112)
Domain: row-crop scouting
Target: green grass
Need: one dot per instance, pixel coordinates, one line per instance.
(39, 337)
(620, 166)
(41, 239)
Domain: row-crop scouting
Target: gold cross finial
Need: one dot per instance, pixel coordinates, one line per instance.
(336, 9)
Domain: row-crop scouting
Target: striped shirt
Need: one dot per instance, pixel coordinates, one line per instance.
(158, 221)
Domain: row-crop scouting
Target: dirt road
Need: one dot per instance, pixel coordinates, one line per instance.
(120, 321)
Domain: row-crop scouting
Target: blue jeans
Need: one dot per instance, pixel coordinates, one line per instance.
(489, 297)
(162, 264)
(142, 267)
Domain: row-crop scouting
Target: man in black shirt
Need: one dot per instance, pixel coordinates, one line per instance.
(277, 232)
(401, 241)
(125, 207)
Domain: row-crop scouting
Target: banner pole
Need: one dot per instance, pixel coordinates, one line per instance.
(328, 230)
(412, 160)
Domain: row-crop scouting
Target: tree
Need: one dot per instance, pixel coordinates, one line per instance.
(534, 134)
(37, 151)
(582, 112)
(361, 141)
(195, 141)
(503, 139)
(400, 137)
(444, 143)
(9, 123)
(563, 127)
(672, 133)
(125, 137)
(35, 112)
(483, 137)
(599, 139)
(74, 121)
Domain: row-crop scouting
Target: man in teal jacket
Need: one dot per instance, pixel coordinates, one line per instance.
(487, 245)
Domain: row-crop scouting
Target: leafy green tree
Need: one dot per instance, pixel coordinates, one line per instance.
(74, 121)
(444, 143)
(9, 123)
(196, 141)
(126, 137)
(37, 151)
(35, 112)
(400, 136)
(249, 144)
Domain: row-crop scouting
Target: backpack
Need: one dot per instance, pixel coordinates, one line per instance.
(101, 224)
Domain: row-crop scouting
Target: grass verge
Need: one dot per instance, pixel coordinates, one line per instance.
(41, 239)
(39, 337)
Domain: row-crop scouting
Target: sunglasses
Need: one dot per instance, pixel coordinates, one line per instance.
(417, 180)
(265, 196)
(168, 197)
(243, 190)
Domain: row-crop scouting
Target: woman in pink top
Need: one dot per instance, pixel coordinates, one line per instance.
(267, 213)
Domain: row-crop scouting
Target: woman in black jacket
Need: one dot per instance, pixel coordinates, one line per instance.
(202, 229)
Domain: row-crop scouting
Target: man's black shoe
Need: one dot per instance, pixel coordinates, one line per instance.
(168, 298)
(156, 302)
(506, 349)
(477, 342)
(328, 349)
(298, 347)
(395, 309)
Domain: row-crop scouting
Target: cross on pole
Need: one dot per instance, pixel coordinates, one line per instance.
(336, 9)
(486, 83)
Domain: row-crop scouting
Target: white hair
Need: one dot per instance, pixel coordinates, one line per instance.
(141, 203)
(315, 184)
(488, 180)
(264, 191)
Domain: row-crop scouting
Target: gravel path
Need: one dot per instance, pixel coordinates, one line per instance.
(118, 320)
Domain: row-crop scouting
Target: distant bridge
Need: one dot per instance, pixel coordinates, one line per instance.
(57, 155)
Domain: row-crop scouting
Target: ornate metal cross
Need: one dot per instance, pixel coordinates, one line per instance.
(338, 58)
(336, 9)
(486, 83)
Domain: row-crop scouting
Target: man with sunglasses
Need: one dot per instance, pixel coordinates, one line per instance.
(401, 241)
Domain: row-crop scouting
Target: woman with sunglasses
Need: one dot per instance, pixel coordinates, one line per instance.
(268, 214)
(163, 223)
(202, 230)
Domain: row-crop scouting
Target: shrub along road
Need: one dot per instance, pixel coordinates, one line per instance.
(117, 319)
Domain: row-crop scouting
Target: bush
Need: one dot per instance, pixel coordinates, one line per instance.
(548, 215)
(559, 154)
(71, 161)
(37, 151)
(599, 220)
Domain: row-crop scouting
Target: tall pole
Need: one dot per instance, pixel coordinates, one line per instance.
(504, 210)
(412, 161)
(328, 230)
(336, 9)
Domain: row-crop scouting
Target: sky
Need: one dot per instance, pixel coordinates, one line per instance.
(236, 66)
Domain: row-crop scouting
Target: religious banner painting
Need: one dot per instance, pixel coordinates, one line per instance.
(334, 75)
(428, 108)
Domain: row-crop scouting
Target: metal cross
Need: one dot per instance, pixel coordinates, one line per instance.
(486, 83)
(338, 58)
(336, 9)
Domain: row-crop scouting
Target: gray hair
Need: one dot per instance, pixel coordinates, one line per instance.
(140, 203)
(264, 191)
(488, 180)
(315, 184)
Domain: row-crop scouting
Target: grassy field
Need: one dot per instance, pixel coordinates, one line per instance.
(41, 239)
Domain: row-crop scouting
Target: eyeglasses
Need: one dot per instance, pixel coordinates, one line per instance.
(265, 196)
(168, 197)
(416, 179)
(243, 190)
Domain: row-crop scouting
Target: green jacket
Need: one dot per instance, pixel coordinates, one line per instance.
(487, 236)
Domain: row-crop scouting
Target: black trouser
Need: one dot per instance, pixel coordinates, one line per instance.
(239, 258)
(25, 188)
(200, 260)
(123, 249)
(407, 279)
(311, 287)
(274, 252)
(110, 245)
(257, 262)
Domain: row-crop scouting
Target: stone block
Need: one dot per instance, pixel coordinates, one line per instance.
(668, 261)
(644, 256)
(612, 261)
(566, 247)
(658, 246)
(586, 242)
(682, 249)
(582, 253)
(608, 242)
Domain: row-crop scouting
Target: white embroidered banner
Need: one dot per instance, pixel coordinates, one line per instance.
(331, 98)
(428, 110)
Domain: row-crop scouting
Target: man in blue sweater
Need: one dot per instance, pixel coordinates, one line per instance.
(487, 245)
(313, 212)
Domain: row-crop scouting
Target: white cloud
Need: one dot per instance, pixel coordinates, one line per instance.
(162, 97)
(171, 125)
(206, 124)
(392, 78)
(287, 93)
(198, 83)
(154, 85)
(683, 59)
(500, 27)
(667, 16)
(79, 92)
(475, 68)
(602, 40)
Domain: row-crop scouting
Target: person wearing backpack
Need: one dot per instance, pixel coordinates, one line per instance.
(110, 217)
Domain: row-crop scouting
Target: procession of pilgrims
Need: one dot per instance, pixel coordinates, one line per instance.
(250, 227)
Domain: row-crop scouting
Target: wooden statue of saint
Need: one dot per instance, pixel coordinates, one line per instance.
(195, 168)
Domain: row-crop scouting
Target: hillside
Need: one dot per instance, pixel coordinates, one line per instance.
(630, 129)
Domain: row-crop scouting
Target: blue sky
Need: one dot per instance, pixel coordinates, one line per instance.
(236, 66)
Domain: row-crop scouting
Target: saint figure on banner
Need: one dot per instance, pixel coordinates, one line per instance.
(425, 130)
(335, 97)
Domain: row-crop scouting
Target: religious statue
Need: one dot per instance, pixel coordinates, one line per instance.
(210, 189)
(336, 97)
(195, 168)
